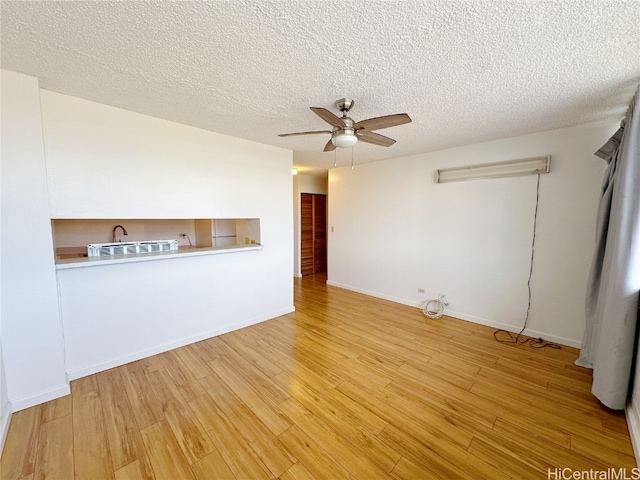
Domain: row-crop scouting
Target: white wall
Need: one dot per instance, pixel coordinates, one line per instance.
(297, 272)
(5, 405)
(303, 184)
(105, 162)
(119, 313)
(32, 340)
(472, 240)
(312, 184)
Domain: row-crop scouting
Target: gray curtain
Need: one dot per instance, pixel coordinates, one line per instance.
(614, 280)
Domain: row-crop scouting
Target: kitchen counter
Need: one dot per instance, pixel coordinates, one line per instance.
(76, 257)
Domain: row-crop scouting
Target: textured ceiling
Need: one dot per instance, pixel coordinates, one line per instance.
(465, 71)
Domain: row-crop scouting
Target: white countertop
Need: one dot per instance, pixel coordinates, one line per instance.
(83, 262)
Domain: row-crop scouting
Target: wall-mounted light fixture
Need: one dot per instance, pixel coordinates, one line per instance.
(294, 171)
(511, 168)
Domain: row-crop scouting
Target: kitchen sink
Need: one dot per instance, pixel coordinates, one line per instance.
(131, 248)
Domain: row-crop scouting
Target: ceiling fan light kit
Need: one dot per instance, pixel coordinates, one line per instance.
(346, 133)
(344, 138)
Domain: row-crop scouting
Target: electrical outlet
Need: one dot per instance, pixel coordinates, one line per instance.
(421, 290)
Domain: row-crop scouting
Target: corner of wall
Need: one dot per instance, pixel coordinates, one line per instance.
(33, 363)
(5, 405)
(632, 411)
(633, 423)
(42, 396)
(5, 421)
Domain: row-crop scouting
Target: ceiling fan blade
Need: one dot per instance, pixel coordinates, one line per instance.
(328, 117)
(303, 133)
(375, 138)
(329, 147)
(383, 122)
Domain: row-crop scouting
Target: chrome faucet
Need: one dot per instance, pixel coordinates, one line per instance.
(124, 231)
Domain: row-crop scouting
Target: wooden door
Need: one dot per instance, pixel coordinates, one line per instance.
(306, 233)
(313, 233)
(319, 233)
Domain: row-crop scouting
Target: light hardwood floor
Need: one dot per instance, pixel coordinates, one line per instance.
(348, 386)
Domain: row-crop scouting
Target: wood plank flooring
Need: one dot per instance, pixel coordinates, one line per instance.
(348, 386)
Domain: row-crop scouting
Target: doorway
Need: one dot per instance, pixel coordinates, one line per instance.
(313, 233)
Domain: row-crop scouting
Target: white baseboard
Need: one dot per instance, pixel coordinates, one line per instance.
(463, 316)
(116, 362)
(633, 423)
(371, 293)
(5, 421)
(45, 396)
(569, 342)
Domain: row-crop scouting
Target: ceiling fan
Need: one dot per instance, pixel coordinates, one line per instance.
(346, 132)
